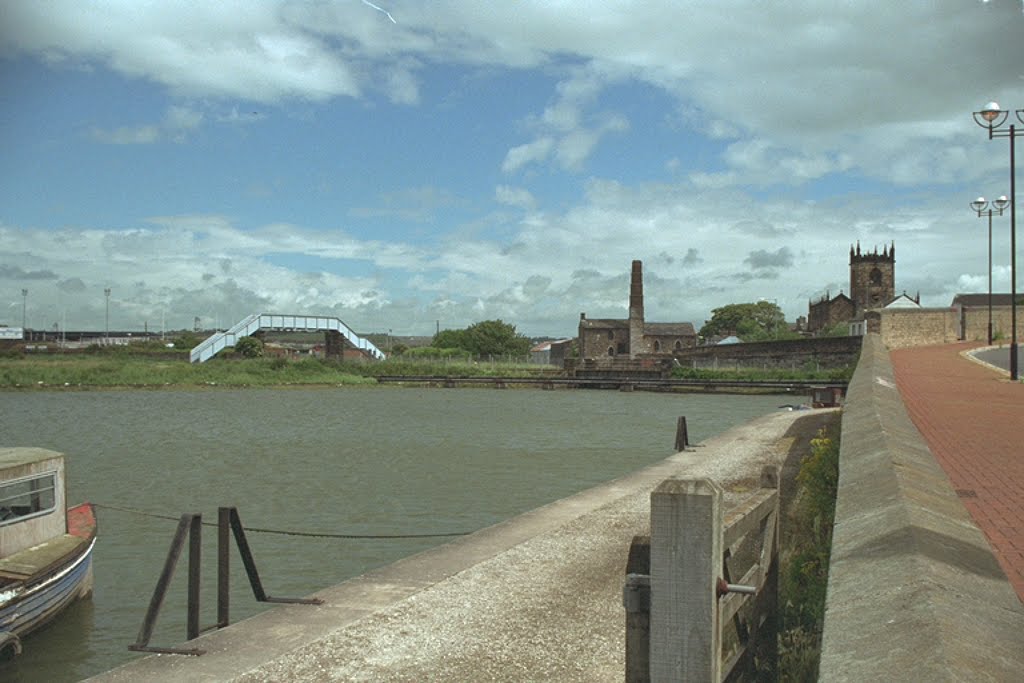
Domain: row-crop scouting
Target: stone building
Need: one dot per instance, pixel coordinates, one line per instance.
(633, 337)
(872, 286)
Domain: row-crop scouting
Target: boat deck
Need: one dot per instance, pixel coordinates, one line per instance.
(25, 564)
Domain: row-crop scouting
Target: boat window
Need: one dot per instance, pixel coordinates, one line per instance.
(28, 497)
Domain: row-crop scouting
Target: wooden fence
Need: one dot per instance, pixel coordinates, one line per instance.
(701, 592)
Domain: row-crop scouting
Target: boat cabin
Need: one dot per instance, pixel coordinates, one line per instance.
(32, 498)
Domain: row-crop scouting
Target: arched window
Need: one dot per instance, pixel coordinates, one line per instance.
(679, 345)
(611, 350)
(657, 346)
(611, 334)
(876, 276)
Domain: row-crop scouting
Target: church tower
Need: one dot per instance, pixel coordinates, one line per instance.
(872, 278)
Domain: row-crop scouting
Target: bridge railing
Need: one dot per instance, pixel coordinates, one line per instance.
(251, 324)
(685, 618)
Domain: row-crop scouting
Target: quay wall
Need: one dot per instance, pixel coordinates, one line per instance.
(785, 354)
(914, 591)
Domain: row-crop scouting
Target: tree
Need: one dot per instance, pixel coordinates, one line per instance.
(750, 322)
(250, 347)
(486, 338)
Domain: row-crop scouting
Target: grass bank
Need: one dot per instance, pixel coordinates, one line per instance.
(104, 370)
(803, 574)
(160, 367)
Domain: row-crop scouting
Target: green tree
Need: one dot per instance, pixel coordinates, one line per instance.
(250, 347)
(750, 322)
(450, 339)
(486, 338)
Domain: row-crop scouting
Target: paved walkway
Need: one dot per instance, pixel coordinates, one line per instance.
(972, 418)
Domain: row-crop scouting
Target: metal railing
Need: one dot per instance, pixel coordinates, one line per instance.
(191, 525)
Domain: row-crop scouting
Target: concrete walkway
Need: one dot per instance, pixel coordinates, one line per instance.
(536, 598)
(972, 418)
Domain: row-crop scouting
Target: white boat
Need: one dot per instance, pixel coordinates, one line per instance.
(45, 547)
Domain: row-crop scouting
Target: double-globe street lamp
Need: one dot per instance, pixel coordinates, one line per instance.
(982, 208)
(992, 118)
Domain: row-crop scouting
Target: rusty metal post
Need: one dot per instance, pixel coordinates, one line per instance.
(160, 592)
(195, 548)
(223, 566)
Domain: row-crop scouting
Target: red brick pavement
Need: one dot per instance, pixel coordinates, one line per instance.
(972, 418)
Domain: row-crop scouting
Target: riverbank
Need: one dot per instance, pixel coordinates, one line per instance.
(125, 370)
(537, 597)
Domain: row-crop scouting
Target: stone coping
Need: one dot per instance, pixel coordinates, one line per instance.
(914, 591)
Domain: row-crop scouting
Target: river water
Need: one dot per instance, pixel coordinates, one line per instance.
(374, 461)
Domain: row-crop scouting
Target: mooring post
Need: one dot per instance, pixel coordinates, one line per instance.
(686, 560)
(682, 435)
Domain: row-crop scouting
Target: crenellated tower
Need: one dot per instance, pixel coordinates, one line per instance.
(872, 277)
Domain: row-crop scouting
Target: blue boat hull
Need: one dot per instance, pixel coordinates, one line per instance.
(26, 607)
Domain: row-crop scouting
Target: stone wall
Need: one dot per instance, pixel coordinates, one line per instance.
(903, 327)
(914, 592)
(822, 352)
(975, 321)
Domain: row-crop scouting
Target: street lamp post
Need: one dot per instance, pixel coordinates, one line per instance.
(106, 322)
(982, 208)
(992, 118)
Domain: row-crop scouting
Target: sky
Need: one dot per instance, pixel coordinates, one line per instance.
(407, 166)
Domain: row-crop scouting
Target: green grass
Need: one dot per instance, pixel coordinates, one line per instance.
(803, 576)
(130, 371)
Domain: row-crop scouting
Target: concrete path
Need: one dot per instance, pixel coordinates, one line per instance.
(972, 418)
(536, 598)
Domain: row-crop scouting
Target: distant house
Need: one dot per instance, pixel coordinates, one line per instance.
(633, 337)
(904, 301)
(551, 352)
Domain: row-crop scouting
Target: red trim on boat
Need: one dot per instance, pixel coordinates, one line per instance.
(82, 521)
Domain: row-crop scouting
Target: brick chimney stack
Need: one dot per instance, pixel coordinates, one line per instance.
(636, 310)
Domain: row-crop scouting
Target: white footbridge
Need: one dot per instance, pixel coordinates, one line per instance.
(248, 326)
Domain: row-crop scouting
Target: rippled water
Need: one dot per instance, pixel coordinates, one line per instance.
(348, 460)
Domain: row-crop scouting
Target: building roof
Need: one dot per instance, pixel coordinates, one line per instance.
(903, 301)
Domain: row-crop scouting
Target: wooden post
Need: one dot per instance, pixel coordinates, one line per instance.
(636, 598)
(682, 435)
(686, 561)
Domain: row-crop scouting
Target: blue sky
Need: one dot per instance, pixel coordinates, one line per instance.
(460, 161)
